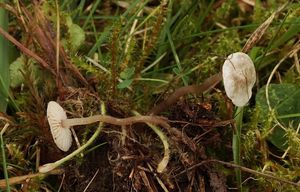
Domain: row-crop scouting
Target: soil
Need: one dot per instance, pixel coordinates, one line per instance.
(196, 135)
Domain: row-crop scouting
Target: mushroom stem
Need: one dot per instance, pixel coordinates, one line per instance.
(164, 162)
(236, 144)
(196, 89)
(115, 121)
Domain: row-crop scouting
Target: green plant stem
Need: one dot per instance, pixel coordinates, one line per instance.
(4, 63)
(91, 12)
(4, 158)
(236, 144)
(50, 166)
(289, 116)
(164, 162)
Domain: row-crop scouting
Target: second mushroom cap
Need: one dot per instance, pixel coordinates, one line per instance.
(239, 77)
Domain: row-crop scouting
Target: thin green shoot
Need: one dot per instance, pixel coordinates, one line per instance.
(153, 80)
(80, 7)
(236, 144)
(101, 17)
(147, 18)
(94, 148)
(130, 20)
(170, 40)
(204, 15)
(96, 38)
(4, 63)
(164, 139)
(104, 36)
(176, 57)
(288, 116)
(154, 63)
(91, 12)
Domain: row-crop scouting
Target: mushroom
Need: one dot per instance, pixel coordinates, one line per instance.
(239, 77)
(60, 125)
(61, 133)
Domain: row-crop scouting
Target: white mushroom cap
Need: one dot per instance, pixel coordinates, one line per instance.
(62, 135)
(239, 77)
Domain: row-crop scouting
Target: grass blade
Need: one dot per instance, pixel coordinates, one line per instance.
(4, 65)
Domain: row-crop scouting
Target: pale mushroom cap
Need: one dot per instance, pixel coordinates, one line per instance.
(62, 135)
(239, 77)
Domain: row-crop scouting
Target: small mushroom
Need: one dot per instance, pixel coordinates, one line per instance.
(239, 77)
(57, 119)
(61, 133)
(60, 125)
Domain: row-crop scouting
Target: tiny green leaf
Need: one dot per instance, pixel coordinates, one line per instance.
(77, 36)
(127, 73)
(16, 68)
(176, 71)
(124, 84)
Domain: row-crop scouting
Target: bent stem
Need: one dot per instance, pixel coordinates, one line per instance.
(114, 121)
(50, 166)
(236, 144)
(164, 162)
